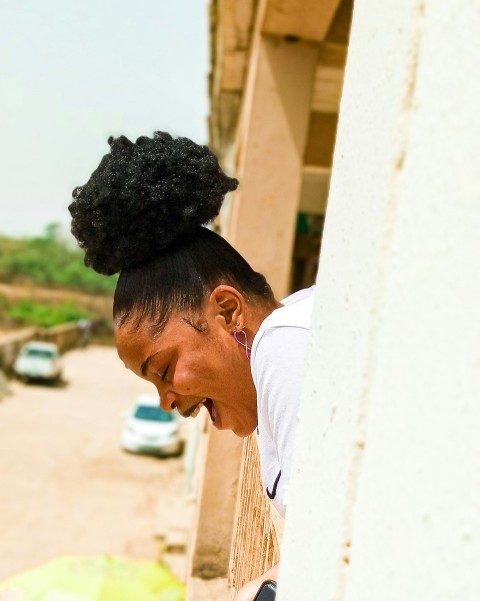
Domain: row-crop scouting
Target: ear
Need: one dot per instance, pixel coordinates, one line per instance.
(228, 306)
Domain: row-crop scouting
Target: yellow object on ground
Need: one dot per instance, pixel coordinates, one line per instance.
(98, 578)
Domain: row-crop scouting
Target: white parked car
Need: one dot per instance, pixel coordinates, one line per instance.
(38, 361)
(151, 430)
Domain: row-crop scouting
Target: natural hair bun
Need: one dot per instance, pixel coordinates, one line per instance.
(143, 196)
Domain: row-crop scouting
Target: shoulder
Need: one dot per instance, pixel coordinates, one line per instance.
(296, 311)
(278, 349)
(282, 326)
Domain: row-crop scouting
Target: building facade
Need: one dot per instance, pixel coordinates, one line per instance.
(381, 119)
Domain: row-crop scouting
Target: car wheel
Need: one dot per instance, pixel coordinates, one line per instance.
(179, 451)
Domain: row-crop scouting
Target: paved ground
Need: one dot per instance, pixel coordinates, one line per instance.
(66, 487)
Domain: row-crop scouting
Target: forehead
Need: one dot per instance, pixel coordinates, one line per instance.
(137, 338)
(148, 324)
(132, 343)
(138, 319)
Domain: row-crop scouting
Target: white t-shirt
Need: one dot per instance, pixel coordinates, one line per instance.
(277, 360)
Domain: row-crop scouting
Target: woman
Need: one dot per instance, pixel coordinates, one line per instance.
(190, 315)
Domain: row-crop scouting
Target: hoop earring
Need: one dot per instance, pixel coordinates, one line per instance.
(243, 343)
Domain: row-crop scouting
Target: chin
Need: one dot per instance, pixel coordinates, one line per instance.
(243, 431)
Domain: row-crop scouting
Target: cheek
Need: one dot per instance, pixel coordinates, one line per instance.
(186, 378)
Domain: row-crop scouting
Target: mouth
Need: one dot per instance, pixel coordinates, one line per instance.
(195, 410)
(208, 404)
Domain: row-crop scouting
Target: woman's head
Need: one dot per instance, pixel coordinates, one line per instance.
(182, 288)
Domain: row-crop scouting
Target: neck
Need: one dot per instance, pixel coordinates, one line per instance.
(256, 315)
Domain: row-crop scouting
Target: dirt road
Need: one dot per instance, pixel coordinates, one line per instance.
(65, 485)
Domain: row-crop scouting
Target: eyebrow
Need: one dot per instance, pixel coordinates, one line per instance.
(146, 363)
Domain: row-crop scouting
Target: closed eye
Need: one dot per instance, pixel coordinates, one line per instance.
(164, 375)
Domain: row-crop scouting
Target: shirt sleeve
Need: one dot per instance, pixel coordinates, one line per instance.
(280, 365)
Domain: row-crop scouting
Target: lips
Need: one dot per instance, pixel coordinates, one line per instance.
(195, 410)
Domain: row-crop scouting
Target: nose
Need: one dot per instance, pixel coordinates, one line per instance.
(168, 400)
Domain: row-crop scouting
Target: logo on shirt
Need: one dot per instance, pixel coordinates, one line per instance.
(273, 494)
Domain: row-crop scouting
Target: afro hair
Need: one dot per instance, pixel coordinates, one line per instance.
(143, 196)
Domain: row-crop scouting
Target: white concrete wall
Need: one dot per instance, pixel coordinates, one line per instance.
(385, 495)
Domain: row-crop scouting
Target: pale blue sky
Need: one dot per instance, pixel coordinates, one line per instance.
(72, 73)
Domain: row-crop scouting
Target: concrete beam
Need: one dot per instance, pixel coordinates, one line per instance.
(213, 537)
(307, 20)
(271, 142)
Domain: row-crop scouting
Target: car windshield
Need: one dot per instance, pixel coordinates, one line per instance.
(154, 414)
(39, 352)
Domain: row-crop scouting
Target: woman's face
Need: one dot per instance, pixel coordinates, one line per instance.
(190, 368)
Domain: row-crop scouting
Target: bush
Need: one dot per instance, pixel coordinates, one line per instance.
(48, 261)
(27, 312)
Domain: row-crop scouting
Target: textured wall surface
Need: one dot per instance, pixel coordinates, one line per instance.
(385, 497)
